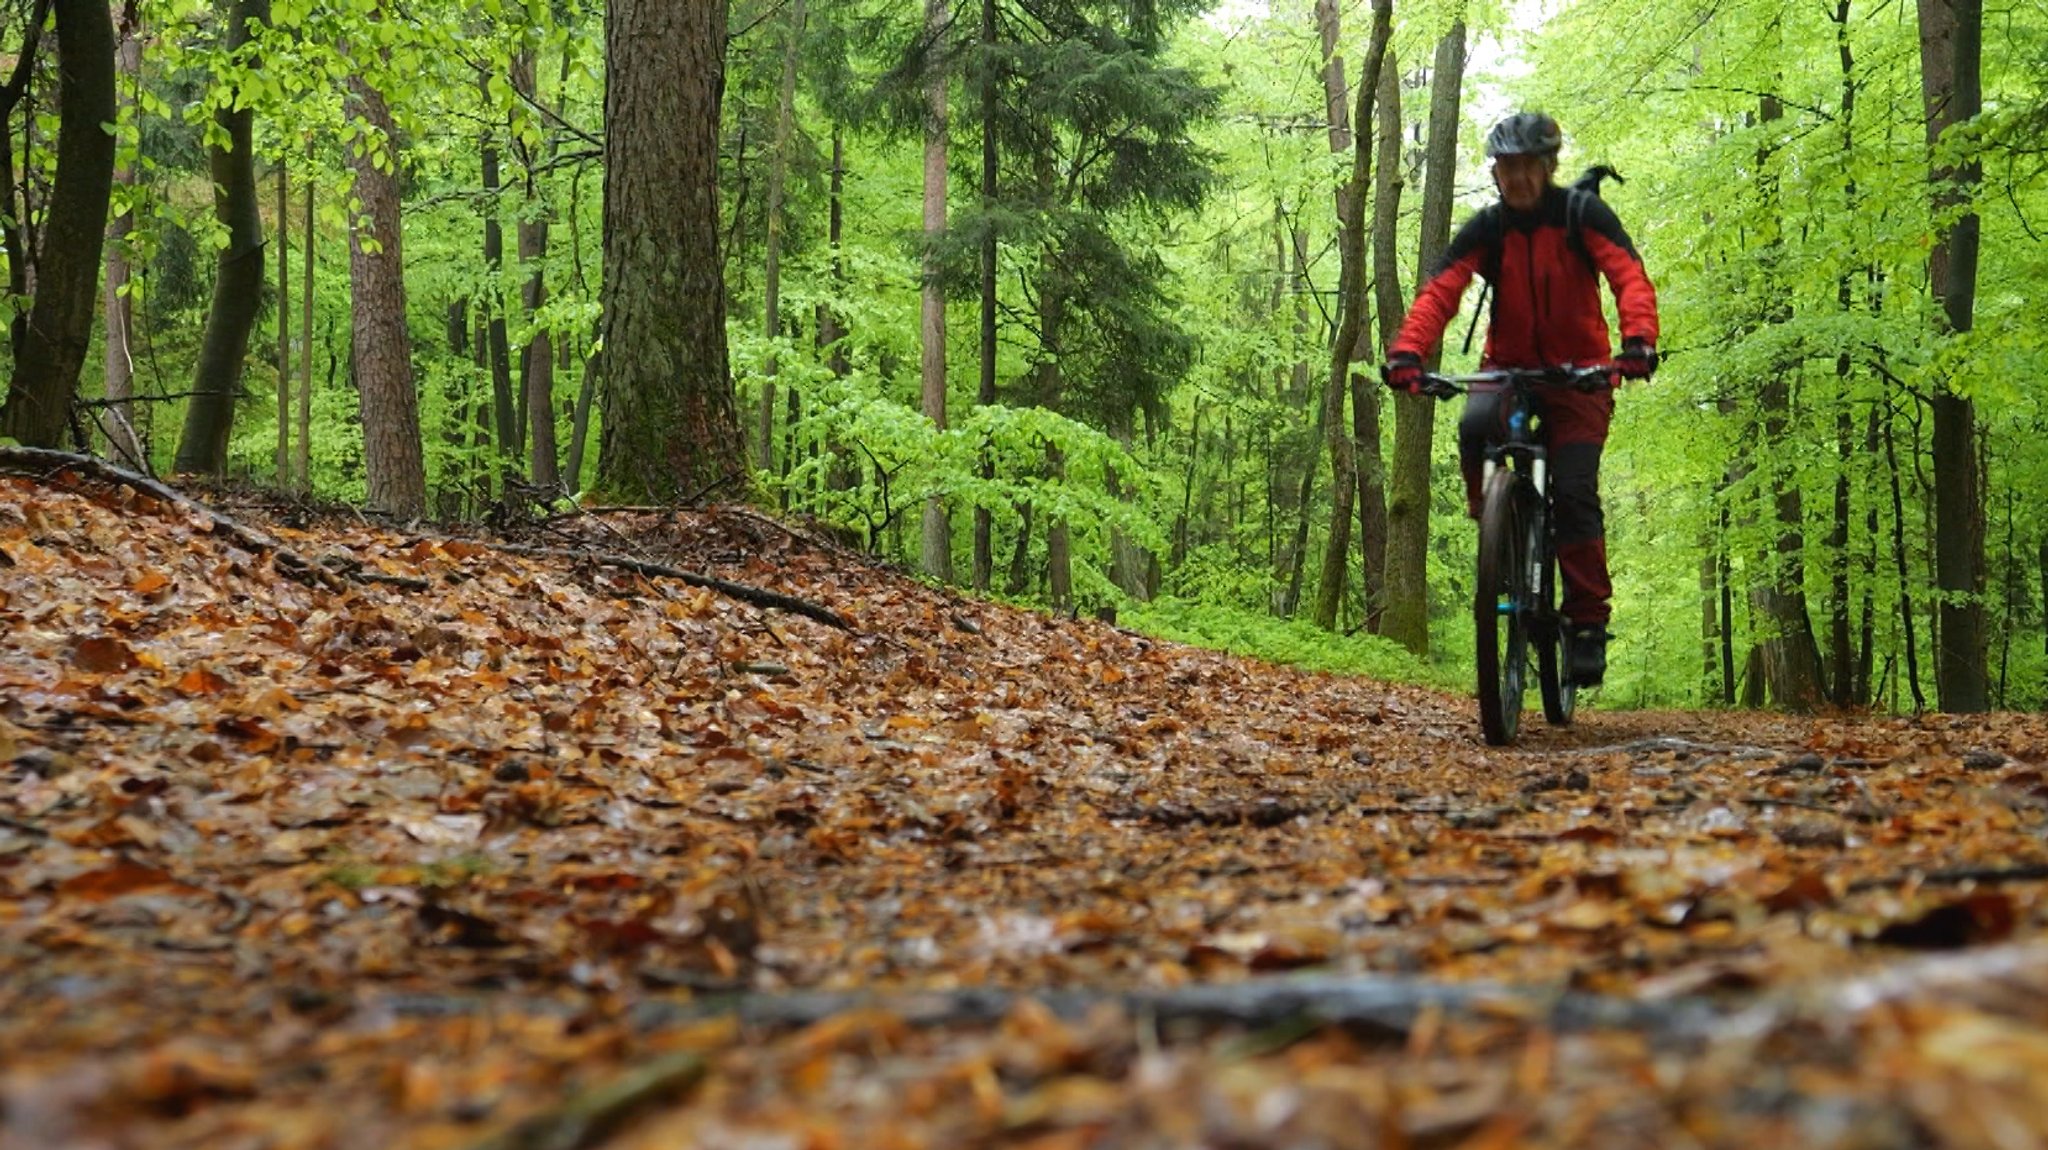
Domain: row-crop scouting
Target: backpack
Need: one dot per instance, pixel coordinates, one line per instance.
(1578, 194)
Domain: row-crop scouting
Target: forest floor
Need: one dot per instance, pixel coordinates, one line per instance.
(439, 843)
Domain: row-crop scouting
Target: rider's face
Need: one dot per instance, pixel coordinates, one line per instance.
(1521, 180)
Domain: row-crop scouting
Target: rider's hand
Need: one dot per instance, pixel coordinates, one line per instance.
(1638, 360)
(1403, 372)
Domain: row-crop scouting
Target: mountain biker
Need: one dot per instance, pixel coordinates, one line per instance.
(1540, 247)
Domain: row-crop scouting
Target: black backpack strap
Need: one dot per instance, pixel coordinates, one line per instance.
(1489, 268)
(1575, 203)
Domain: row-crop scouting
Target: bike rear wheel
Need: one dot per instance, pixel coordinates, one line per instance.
(1499, 614)
(1553, 650)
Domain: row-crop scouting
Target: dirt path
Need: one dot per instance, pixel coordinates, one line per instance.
(502, 839)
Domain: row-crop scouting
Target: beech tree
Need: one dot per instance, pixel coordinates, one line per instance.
(671, 430)
(52, 350)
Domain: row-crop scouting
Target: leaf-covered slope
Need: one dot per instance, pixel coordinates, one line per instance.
(396, 864)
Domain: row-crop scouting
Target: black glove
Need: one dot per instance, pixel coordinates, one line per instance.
(1638, 360)
(1403, 372)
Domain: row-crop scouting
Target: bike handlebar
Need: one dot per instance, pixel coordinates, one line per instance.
(1594, 377)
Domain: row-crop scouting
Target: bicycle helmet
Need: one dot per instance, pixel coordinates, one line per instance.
(1524, 134)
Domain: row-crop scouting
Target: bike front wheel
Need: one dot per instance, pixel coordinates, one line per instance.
(1499, 610)
(1553, 646)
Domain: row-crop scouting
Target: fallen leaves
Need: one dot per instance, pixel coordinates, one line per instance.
(371, 864)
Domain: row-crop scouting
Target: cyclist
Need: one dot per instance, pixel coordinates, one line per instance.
(1540, 247)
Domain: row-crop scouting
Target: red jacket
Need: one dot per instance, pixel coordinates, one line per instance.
(1546, 300)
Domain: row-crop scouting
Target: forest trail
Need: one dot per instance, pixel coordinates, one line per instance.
(456, 846)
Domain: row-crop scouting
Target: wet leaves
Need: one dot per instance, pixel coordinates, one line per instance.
(309, 867)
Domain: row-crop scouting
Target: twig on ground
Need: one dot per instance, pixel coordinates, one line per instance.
(757, 596)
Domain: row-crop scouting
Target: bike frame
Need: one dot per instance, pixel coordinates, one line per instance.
(1523, 601)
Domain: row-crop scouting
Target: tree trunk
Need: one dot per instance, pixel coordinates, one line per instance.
(936, 552)
(497, 342)
(1350, 302)
(1407, 619)
(1020, 557)
(670, 428)
(1366, 395)
(1791, 652)
(284, 329)
(302, 465)
(537, 358)
(1951, 49)
(985, 394)
(1912, 643)
(117, 422)
(379, 340)
(238, 284)
(778, 173)
(14, 234)
(1710, 617)
(1841, 650)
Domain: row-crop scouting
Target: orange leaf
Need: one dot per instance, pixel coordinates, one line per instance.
(103, 655)
(122, 878)
(201, 681)
(154, 581)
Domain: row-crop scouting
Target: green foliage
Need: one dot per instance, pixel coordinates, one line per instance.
(1291, 641)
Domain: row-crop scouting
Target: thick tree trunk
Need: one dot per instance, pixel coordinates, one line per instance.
(1407, 619)
(936, 551)
(1951, 50)
(985, 393)
(117, 422)
(1350, 321)
(670, 428)
(238, 284)
(379, 340)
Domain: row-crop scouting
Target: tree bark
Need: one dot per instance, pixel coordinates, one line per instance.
(1792, 660)
(778, 173)
(936, 551)
(1351, 304)
(283, 463)
(302, 464)
(985, 394)
(670, 428)
(1951, 49)
(497, 341)
(537, 358)
(1912, 643)
(238, 284)
(1366, 400)
(1407, 618)
(14, 209)
(380, 343)
(117, 422)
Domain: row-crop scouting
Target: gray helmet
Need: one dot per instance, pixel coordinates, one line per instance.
(1524, 134)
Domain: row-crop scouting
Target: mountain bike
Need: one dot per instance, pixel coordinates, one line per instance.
(1514, 606)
